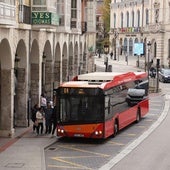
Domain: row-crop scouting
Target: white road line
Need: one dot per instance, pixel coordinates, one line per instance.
(136, 142)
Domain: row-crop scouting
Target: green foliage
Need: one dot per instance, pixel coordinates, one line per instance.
(105, 10)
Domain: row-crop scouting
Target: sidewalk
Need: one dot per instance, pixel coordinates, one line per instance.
(25, 151)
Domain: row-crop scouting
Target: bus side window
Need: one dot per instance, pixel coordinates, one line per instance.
(107, 106)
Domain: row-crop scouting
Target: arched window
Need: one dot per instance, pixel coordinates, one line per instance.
(138, 16)
(121, 20)
(133, 19)
(127, 15)
(147, 16)
(114, 20)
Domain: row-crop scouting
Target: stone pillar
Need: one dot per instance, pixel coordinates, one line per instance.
(21, 99)
(56, 74)
(48, 79)
(64, 70)
(7, 101)
(34, 84)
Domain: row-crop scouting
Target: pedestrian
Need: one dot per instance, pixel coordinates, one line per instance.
(39, 119)
(33, 116)
(43, 101)
(54, 118)
(111, 55)
(48, 114)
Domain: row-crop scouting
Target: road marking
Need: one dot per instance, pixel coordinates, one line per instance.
(127, 134)
(81, 150)
(136, 142)
(70, 163)
(116, 143)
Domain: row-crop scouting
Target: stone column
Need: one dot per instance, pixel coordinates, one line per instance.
(21, 99)
(7, 101)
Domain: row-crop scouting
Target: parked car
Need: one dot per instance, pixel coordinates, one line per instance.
(164, 75)
(137, 94)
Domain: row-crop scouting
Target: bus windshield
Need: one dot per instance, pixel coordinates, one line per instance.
(81, 109)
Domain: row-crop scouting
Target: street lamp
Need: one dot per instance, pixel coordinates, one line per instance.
(149, 49)
(17, 60)
(43, 72)
(106, 50)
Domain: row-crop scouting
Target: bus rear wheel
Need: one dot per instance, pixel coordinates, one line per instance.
(116, 129)
(138, 115)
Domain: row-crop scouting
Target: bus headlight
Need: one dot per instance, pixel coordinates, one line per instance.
(60, 130)
(98, 132)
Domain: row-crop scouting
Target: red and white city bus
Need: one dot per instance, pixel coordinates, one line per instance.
(99, 104)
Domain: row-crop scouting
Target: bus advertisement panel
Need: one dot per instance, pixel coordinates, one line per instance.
(98, 105)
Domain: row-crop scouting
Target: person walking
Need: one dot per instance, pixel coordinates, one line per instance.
(33, 116)
(48, 114)
(39, 119)
(54, 119)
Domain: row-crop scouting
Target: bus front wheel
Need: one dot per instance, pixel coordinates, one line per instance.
(138, 116)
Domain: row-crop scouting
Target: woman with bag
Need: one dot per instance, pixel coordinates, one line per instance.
(39, 119)
(33, 116)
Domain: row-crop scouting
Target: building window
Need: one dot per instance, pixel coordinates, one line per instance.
(169, 48)
(121, 20)
(156, 15)
(138, 14)
(114, 20)
(133, 23)
(60, 12)
(147, 16)
(127, 19)
(39, 2)
(74, 9)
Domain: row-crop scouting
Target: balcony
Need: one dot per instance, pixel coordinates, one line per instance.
(7, 14)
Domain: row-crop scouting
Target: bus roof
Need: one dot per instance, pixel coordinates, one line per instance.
(103, 80)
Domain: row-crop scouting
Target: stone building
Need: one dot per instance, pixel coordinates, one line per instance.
(141, 21)
(42, 44)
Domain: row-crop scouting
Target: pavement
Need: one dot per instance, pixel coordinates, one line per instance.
(25, 151)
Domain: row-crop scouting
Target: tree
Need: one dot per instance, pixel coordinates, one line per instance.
(105, 11)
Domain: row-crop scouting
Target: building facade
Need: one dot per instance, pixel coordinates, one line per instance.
(145, 21)
(42, 44)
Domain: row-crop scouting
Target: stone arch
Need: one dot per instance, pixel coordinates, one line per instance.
(35, 73)
(6, 89)
(64, 63)
(20, 97)
(70, 61)
(47, 69)
(57, 66)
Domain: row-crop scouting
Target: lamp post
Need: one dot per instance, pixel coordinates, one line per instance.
(149, 49)
(43, 72)
(17, 60)
(106, 50)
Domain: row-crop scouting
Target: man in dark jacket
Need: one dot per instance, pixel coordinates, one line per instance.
(33, 115)
(48, 114)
